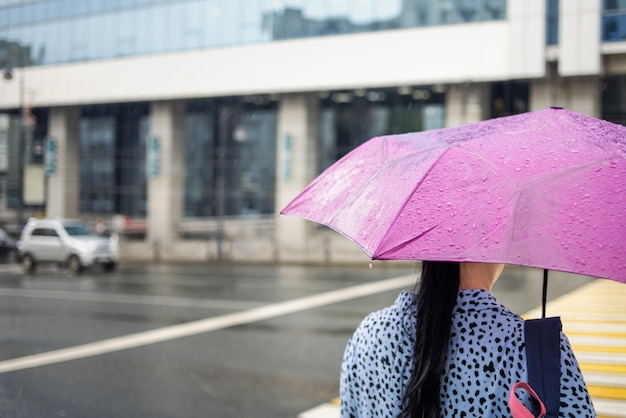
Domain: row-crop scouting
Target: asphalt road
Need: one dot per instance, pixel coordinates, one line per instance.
(196, 340)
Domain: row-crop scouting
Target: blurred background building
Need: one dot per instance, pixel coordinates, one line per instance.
(189, 124)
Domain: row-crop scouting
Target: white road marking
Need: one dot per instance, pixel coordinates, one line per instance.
(602, 358)
(326, 410)
(203, 325)
(595, 328)
(605, 379)
(593, 341)
(610, 408)
(132, 299)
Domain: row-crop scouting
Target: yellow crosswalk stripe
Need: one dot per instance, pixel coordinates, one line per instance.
(607, 392)
(594, 320)
(598, 349)
(602, 368)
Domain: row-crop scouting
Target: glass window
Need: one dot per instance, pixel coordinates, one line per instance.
(112, 161)
(614, 100)
(614, 27)
(39, 232)
(15, 156)
(552, 22)
(3, 192)
(59, 31)
(614, 20)
(240, 149)
(509, 98)
(97, 169)
(130, 160)
(255, 136)
(612, 5)
(77, 230)
(327, 147)
(349, 118)
(199, 161)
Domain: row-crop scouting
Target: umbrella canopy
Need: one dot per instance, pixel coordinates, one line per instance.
(543, 189)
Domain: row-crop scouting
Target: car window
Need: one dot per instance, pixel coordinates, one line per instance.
(44, 232)
(39, 232)
(3, 235)
(78, 230)
(51, 232)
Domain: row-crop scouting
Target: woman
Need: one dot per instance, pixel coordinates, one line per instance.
(449, 350)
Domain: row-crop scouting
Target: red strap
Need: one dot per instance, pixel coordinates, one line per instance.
(517, 408)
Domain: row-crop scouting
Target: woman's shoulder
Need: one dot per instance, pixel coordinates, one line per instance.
(399, 317)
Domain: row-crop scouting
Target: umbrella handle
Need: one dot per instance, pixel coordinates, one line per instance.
(544, 297)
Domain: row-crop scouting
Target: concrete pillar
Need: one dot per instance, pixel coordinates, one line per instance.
(165, 186)
(527, 24)
(579, 37)
(546, 92)
(465, 103)
(64, 184)
(298, 119)
(580, 94)
(585, 96)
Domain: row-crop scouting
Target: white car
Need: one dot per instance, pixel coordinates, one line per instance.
(66, 243)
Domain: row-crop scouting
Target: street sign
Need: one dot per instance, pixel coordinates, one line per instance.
(154, 157)
(287, 157)
(50, 156)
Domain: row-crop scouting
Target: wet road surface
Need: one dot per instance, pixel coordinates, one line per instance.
(196, 340)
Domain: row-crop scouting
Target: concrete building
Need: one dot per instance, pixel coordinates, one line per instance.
(189, 124)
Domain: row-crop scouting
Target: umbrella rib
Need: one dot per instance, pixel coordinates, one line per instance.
(417, 185)
(459, 146)
(391, 250)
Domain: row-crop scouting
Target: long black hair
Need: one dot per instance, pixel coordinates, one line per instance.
(436, 297)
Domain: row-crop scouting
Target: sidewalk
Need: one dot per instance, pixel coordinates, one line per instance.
(594, 320)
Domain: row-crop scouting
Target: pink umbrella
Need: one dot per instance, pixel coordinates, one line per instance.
(544, 189)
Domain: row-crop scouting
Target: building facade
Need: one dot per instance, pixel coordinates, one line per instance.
(189, 124)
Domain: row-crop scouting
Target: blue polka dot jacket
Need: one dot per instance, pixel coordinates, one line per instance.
(485, 358)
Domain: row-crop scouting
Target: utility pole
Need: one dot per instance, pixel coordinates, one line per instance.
(224, 129)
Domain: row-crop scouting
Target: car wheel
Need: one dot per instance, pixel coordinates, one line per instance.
(28, 264)
(73, 264)
(109, 267)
